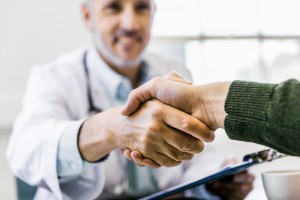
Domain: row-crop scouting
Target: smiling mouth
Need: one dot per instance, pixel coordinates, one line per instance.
(127, 42)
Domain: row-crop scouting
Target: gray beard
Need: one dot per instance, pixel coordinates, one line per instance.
(112, 58)
(106, 53)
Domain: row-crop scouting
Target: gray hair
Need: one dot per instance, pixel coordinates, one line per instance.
(89, 3)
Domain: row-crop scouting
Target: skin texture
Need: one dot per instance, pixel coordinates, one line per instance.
(121, 31)
(158, 131)
(167, 136)
(206, 103)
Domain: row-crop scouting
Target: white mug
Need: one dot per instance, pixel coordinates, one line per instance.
(282, 185)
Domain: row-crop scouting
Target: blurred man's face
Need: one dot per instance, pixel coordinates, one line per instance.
(121, 29)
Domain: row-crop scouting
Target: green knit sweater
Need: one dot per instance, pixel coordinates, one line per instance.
(267, 114)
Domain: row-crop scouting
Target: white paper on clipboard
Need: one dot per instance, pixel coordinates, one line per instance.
(249, 160)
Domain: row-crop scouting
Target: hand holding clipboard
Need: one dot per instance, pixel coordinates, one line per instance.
(249, 160)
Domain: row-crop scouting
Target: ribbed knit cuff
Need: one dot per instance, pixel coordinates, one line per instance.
(246, 106)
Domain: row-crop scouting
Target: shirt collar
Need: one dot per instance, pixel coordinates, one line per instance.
(105, 76)
(115, 85)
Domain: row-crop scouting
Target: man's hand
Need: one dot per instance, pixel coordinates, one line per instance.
(205, 102)
(235, 187)
(158, 131)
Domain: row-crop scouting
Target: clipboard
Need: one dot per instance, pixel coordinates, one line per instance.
(249, 160)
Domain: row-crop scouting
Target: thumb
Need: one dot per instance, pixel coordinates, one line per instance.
(149, 90)
(175, 76)
(140, 95)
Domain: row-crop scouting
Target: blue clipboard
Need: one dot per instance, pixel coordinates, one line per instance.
(249, 160)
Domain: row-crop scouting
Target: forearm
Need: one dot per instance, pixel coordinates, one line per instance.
(96, 137)
(267, 114)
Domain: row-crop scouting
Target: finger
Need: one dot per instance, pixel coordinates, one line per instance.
(137, 157)
(176, 154)
(181, 81)
(184, 145)
(139, 95)
(153, 151)
(164, 160)
(187, 123)
(172, 143)
(163, 148)
(174, 76)
(150, 163)
(126, 153)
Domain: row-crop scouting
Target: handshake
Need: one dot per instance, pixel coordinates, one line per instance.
(190, 114)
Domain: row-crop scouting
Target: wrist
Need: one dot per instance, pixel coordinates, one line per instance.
(95, 138)
(210, 103)
(217, 93)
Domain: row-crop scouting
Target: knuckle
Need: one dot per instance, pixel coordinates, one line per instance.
(145, 142)
(154, 129)
(191, 146)
(177, 155)
(182, 145)
(185, 146)
(147, 147)
(181, 156)
(185, 123)
(189, 124)
(156, 112)
(155, 80)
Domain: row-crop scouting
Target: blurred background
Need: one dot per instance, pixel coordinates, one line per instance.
(218, 40)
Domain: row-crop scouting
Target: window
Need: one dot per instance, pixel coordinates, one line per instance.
(225, 40)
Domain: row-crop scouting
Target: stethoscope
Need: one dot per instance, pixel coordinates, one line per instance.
(93, 110)
(92, 107)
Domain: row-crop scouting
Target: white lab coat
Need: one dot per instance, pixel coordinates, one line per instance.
(55, 101)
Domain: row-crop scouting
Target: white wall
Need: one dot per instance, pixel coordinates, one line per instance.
(33, 32)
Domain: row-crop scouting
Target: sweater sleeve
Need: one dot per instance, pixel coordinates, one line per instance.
(267, 114)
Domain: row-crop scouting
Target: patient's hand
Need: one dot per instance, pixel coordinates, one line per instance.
(236, 186)
(204, 102)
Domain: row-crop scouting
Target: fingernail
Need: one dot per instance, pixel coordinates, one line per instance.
(212, 136)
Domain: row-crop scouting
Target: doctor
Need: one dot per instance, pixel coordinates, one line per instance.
(66, 139)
